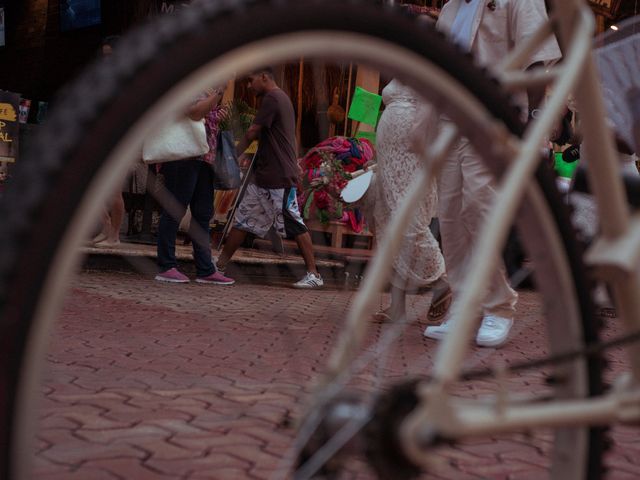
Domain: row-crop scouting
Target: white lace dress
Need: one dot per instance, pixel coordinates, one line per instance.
(420, 261)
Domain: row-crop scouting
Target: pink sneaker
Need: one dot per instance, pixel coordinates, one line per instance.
(216, 278)
(172, 276)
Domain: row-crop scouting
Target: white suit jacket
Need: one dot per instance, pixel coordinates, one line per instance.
(499, 26)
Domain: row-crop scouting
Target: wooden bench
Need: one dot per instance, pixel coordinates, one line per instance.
(339, 231)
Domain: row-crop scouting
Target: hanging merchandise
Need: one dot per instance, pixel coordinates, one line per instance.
(327, 169)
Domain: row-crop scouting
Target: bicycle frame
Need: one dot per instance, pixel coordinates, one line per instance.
(616, 251)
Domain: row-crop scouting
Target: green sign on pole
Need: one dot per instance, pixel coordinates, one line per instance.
(365, 107)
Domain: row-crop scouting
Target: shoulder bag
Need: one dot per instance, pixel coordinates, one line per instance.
(184, 138)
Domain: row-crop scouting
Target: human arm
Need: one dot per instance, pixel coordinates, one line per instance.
(535, 93)
(524, 19)
(263, 119)
(204, 105)
(252, 134)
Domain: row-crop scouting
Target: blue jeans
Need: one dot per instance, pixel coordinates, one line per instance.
(190, 183)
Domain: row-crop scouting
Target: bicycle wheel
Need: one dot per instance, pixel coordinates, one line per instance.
(106, 112)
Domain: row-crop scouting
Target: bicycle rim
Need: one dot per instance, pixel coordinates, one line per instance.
(122, 101)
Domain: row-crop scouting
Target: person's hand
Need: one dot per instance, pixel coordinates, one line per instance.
(215, 91)
(219, 90)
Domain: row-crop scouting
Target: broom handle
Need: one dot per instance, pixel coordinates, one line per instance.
(241, 192)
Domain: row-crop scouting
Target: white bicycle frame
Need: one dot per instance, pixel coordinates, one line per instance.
(616, 251)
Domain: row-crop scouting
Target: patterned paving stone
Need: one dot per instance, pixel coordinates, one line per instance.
(127, 468)
(67, 449)
(150, 381)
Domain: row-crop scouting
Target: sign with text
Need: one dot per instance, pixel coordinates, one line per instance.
(9, 126)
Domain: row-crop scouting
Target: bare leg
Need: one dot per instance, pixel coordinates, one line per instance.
(398, 307)
(232, 243)
(306, 248)
(106, 224)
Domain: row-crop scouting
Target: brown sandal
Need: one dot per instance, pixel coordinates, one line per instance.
(440, 304)
(382, 316)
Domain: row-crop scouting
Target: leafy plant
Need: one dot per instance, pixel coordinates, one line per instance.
(237, 117)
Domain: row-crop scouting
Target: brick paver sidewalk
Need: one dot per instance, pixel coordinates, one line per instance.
(154, 381)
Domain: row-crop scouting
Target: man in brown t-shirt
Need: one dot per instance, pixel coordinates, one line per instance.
(270, 198)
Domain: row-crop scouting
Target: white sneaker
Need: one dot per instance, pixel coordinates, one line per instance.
(494, 331)
(437, 332)
(310, 280)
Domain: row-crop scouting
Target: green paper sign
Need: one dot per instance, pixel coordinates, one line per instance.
(365, 107)
(371, 136)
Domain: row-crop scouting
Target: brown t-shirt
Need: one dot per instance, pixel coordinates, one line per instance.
(276, 164)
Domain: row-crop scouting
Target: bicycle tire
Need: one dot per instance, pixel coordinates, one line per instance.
(107, 99)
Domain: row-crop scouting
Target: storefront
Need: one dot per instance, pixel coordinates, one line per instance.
(44, 44)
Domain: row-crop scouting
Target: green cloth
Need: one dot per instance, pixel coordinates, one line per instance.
(365, 107)
(564, 169)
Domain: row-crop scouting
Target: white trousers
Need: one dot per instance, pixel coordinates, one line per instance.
(466, 194)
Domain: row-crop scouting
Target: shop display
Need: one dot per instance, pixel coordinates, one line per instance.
(9, 126)
(23, 110)
(327, 168)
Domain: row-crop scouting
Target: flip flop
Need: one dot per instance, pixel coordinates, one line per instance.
(440, 304)
(382, 316)
(106, 244)
(101, 237)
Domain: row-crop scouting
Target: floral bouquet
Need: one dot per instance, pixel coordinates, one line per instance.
(327, 168)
